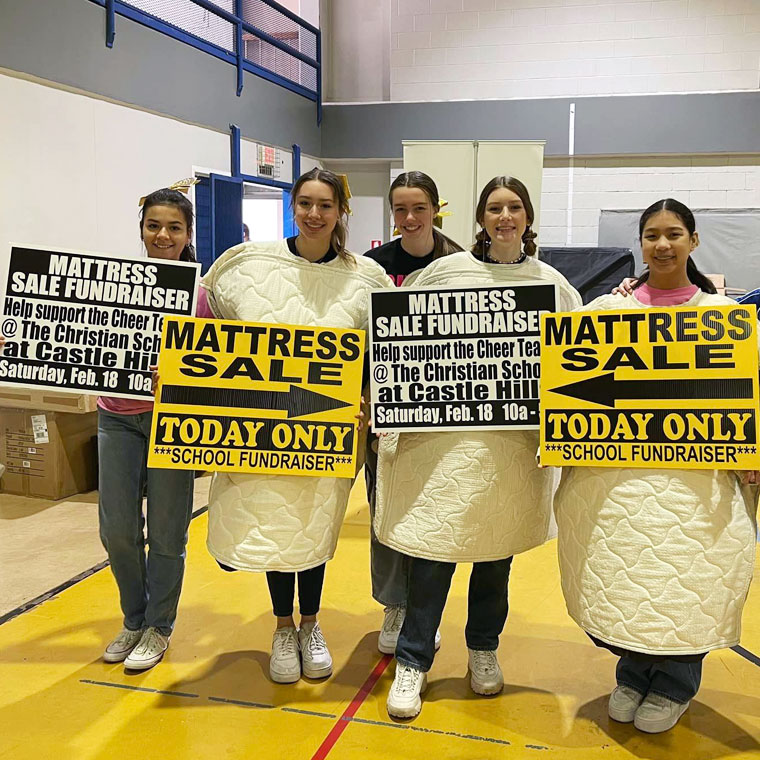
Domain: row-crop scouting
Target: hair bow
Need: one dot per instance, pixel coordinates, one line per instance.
(183, 186)
(438, 218)
(346, 189)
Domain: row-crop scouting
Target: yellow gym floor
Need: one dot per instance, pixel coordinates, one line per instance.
(211, 697)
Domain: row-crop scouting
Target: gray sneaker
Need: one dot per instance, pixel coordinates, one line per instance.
(657, 713)
(389, 633)
(485, 674)
(122, 645)
(624, 701)
(392, 622)
(149, 651)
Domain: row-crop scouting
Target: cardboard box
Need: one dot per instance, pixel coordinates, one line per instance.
(18, 397)
(50, 455)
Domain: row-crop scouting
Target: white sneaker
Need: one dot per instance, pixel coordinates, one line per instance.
(315, 656)
(122, 645)
(657, 713)
(149, 651)
(285, 664)
(624, 701)
(485, 673)
(392, 622)
(404, 697)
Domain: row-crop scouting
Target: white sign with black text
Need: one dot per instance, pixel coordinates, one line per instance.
(457, 358)
(88, 323)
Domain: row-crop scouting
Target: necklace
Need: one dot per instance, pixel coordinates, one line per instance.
(518, 260)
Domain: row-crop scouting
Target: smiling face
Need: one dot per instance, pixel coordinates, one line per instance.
(666, 245)
(316, 210)
(165, 232)
(505, 219)
(413, 214)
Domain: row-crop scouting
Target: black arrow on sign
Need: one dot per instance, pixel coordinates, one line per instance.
(606, 390)
(296, 401)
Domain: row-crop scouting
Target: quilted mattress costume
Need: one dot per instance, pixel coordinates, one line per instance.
(283, 522)
(467, 496)
(654, 560)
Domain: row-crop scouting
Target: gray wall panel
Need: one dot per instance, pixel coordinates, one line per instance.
(699, 123)
(376, 130)
(649, 124)
(64, 41)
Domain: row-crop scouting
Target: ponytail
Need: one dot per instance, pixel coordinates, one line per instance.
(702, 281)
(482, 244)
(443, 245)
(528, 245)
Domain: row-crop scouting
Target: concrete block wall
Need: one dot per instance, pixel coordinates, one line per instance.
(463, 49)
(631, 183)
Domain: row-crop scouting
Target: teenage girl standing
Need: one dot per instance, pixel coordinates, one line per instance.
(149, 581)
(415, 205)
(656, 563)
(284, 525)
(475, 497)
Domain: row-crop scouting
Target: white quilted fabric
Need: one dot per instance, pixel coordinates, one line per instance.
(467, 496)
(654, 560)
(283, 522)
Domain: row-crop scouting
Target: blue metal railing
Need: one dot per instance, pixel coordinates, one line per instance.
(238, 37)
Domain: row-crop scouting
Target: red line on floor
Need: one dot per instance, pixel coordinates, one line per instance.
(352, 709)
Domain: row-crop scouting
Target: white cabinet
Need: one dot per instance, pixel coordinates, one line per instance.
(461, 168)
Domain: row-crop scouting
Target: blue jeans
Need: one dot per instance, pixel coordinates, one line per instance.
(149, 586)
(678, 681)
(389, 568)
(429, 583)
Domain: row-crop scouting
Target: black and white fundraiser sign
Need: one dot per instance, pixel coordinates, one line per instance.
(87, 323)
(457, 358)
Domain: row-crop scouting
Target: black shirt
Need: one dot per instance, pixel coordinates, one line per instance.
(329, 256)
(396, 261)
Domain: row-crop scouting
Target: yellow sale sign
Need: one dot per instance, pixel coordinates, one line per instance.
(660, 387)
(249, 397)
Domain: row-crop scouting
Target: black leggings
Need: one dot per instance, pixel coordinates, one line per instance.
(282, 587)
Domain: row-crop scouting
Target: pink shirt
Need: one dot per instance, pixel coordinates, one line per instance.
(656, 297)
(117, 405)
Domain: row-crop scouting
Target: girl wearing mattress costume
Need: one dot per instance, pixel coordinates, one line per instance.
(502, 501)
(656, 564)
(284, 525)
(414, 201)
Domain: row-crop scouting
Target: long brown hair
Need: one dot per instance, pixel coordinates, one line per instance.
(338, 237)
(442, 245)
(686, 216)
(482, 239)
